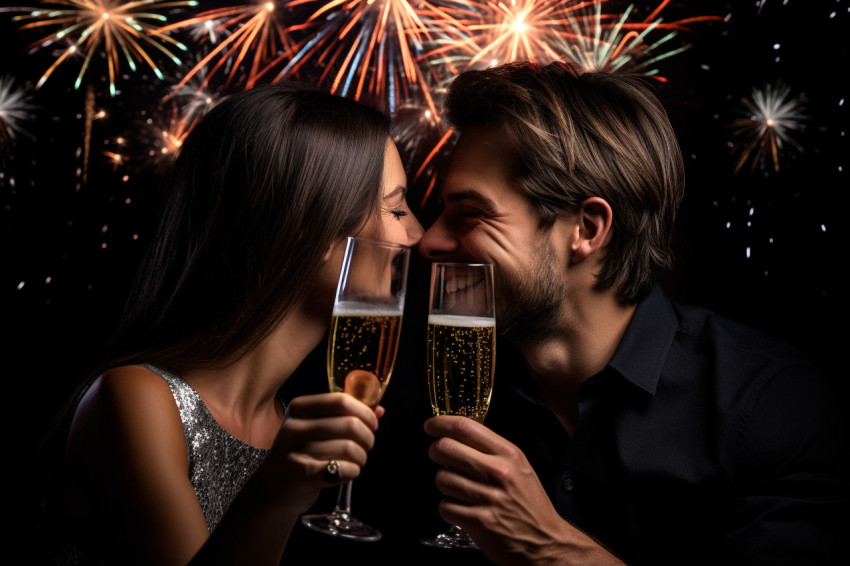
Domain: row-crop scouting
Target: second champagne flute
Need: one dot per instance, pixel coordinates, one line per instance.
(365, 327)
(461, 353)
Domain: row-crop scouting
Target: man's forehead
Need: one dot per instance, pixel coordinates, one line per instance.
(487, 142)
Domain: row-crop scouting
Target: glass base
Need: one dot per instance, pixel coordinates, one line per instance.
(453, 538)
(341, 525)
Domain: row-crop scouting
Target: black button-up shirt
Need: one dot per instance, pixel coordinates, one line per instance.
(701, 442)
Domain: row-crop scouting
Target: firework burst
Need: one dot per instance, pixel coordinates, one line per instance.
(770, 116)
(572, 30)
(15, 111)
(372, 47)
(613, 43)
(527, 30)
(122, 31)
(255, 38)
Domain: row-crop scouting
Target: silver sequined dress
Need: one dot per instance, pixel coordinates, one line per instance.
(219, 463)
(219, 466)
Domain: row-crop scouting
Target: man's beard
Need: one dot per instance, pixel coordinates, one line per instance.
(528, 305)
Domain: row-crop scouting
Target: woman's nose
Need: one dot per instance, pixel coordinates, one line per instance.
(437, 241)
(414, 230)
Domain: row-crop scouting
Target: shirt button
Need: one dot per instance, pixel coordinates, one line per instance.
(569, 485)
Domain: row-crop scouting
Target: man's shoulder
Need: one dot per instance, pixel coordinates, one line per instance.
(729, 337)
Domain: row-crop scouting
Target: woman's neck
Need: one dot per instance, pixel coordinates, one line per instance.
(242, 395)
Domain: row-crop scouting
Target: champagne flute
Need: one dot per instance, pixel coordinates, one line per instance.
(365, 327)
(461, 353)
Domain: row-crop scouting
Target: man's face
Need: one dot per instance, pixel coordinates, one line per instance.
(486, 218)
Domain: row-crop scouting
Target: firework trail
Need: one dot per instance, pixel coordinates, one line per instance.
(424, 140)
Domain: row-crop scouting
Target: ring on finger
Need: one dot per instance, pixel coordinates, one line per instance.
(332, 472)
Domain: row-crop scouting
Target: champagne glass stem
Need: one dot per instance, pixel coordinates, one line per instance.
(343, 502)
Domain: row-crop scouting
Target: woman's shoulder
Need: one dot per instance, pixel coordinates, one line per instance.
(122, 409)
(129, 387)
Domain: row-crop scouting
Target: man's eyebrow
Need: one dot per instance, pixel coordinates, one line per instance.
(470, 194)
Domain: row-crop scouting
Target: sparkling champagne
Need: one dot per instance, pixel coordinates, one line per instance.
(461, 358)
(363, 337)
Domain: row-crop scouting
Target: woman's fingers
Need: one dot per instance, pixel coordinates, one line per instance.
(329, 405)
(327, 471)
(301, 431)
(337, 449)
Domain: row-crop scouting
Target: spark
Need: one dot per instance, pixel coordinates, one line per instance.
(115, 158)
(769, 118)
(15, 110)
(372, 48)
(119, 30)
(255, 38)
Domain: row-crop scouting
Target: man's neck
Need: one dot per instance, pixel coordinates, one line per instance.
(561, 363)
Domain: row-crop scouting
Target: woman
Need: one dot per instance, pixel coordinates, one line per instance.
(180, 451)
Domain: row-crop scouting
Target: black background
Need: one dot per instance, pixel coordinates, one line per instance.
(69, 246)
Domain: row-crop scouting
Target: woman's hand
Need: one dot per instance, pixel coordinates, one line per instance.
(317, 429)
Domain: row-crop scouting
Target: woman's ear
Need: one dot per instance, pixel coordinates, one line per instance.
(593, 224)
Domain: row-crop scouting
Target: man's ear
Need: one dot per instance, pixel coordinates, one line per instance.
(593, 224)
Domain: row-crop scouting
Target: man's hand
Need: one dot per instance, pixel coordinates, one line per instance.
(493, 493)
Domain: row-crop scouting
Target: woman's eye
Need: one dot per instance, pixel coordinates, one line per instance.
(398, 213)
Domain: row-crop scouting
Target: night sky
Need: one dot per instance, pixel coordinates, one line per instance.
(760, 245)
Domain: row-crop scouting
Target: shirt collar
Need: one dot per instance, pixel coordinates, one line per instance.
(643, 350)
(640, 356)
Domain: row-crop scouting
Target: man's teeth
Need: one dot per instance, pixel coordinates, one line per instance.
(458, 284)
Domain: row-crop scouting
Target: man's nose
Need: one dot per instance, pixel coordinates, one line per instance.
(438, 241)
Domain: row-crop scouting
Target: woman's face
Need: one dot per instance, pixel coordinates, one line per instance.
(397, 222)
(394, 222)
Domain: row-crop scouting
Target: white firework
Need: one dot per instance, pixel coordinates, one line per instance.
(770, 116)
(15, 110)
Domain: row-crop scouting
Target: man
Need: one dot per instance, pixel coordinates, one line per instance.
(630, 429)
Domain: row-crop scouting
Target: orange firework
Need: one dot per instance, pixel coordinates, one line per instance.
(574, 30)
(255, 34)
(372, 47)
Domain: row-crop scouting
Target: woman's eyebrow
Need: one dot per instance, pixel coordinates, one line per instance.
(401, 189)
